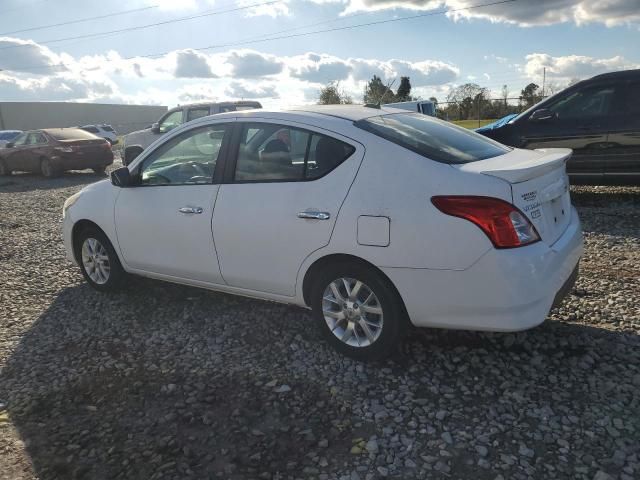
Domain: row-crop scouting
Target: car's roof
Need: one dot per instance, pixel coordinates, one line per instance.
(206, 104)
(347, 112)
(622, 74)
(10, 131)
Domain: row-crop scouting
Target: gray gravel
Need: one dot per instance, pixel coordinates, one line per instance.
(165, 381)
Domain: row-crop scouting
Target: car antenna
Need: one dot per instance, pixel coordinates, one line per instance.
(387, 90)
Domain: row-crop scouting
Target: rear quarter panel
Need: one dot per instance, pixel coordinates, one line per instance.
(398, 184)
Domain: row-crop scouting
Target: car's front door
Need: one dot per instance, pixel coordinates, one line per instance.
(623, 154)
(163, 223)
(279, 201)
(581, 123)
(14, 157)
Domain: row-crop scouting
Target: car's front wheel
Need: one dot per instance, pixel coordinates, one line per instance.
(98, 260)
(358, 310)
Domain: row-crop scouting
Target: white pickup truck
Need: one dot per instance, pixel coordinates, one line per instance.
(135, 142)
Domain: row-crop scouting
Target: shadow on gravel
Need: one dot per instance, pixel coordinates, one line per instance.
(164, 381)
(25, 182)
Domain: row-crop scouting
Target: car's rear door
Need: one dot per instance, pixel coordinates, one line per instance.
(163, 223)
(623, 152)
(283, 189)
(581, 123)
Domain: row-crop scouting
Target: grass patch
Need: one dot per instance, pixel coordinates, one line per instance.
(473, 123)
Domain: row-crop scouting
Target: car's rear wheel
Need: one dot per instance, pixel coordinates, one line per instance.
(358, 310)
(47, 169)
(98, 260)
(99, 170)
(4, 170)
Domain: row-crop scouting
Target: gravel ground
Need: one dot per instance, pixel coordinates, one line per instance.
(164, 381)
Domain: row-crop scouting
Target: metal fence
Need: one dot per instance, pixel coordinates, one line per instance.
(483, 110)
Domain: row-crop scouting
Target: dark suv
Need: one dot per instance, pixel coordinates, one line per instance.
(598, 118)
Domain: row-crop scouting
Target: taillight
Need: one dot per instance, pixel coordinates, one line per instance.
(503, 223)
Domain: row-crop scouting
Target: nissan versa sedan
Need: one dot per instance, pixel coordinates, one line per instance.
(51, 151)
(375, 219)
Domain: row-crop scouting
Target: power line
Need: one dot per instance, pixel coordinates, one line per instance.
(281, 37)
(87, 19)
(207, 13)
(335, 29)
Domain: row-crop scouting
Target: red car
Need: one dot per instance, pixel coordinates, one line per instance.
(51, 151)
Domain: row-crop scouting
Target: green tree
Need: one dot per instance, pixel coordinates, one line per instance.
(404, 90)
(376, 91)
(466, 100)
(331, 94)
(529, 95)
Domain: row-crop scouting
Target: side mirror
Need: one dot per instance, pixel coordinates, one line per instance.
(9, 145)
(542, 115)
(121, 177)
(155, 128)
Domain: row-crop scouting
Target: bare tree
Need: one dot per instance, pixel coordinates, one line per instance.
(505, 95)
(553, 88)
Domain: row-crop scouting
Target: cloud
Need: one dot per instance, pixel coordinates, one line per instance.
(61, 88)
(27, 56)
(316, 68)
(276, 9)
(248, 63)
(240, 90)
(176, 77)
(191, 64)
(573, 66)
(524, 13)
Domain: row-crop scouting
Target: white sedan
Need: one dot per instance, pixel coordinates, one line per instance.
(374, 218)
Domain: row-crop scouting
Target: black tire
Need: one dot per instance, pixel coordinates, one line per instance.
(116, 275)
(47, 169)
(3, 169)
(99, 170)
(393, 312)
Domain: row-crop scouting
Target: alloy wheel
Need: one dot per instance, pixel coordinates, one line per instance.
(95, 260)
(352, 311)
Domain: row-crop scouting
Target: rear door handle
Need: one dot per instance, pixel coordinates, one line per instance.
(314, 215)
(190, 210)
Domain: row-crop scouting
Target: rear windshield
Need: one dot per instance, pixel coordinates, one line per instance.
(432, 138)
(70, 134)
(108, 128)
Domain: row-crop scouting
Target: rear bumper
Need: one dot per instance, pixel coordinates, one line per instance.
(505, 290)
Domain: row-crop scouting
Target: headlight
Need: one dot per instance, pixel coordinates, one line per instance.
(69, 203)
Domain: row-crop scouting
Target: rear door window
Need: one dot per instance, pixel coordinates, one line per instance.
(271, 152)
(432, 138)
(199, 112)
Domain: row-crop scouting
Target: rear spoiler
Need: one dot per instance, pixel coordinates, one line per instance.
(519, 166)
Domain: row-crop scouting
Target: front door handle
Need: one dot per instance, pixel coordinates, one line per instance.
(314, 215)
(190, 210)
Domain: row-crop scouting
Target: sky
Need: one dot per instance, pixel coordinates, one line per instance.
(169, 52)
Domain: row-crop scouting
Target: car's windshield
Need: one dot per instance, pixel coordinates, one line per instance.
(432, 138)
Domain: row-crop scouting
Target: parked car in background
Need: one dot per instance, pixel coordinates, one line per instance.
(105, 131)
(135, 142)
(422, 106)
(8, 135)
(370, 217)
(51, 151)
(598, 118)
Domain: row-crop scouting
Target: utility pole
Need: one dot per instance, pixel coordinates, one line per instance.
(544, 78)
